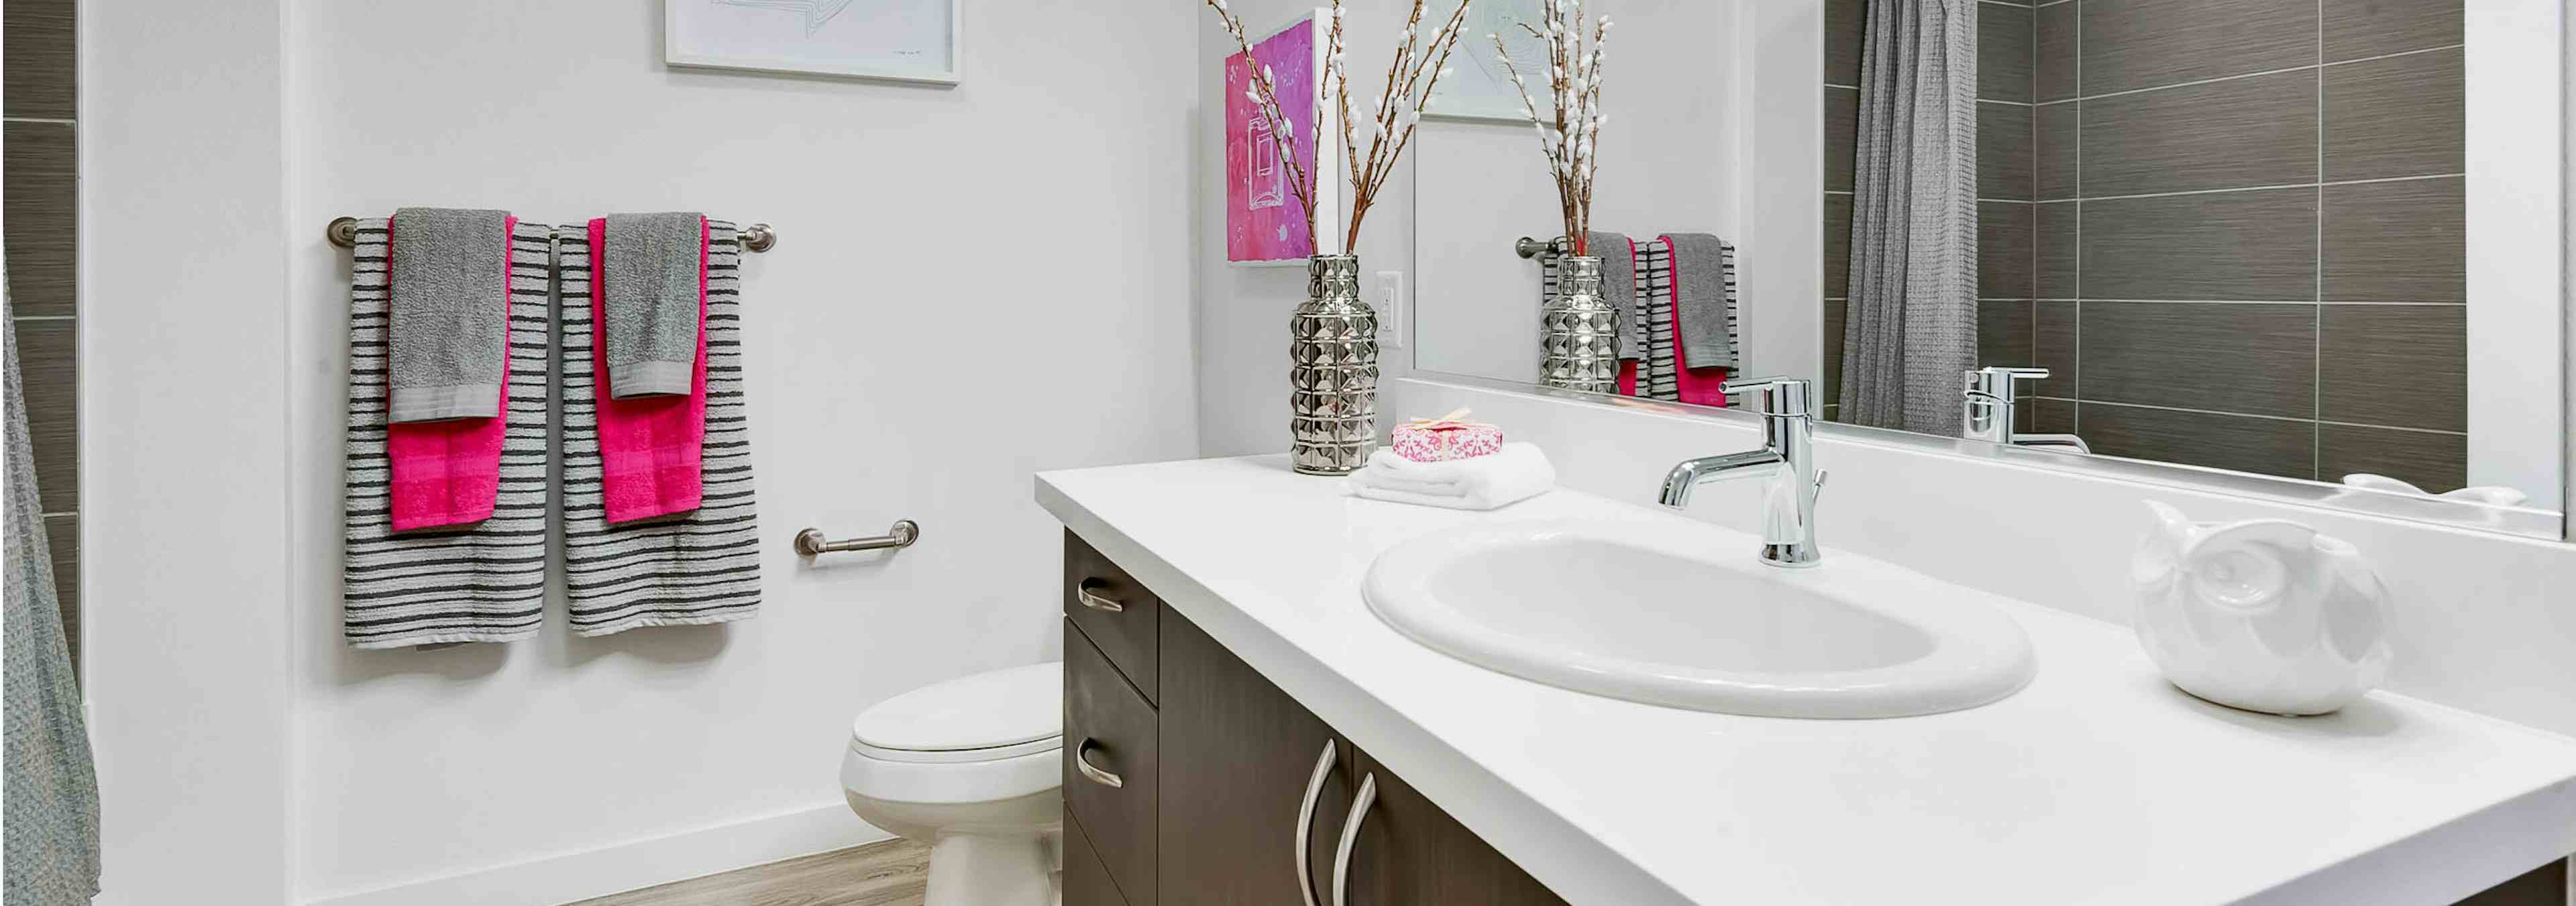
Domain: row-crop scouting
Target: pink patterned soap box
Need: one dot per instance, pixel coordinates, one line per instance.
(1446, 438)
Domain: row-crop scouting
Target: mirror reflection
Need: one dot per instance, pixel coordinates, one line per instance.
(2253, 237)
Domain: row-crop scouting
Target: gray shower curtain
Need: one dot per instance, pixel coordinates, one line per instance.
(1911, 326)
(51, 811)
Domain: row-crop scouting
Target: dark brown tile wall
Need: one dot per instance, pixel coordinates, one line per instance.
(2250, 238)
(40, 168)
(2132, 45)
(38, 68)
(2264, 446)
(2395, 117)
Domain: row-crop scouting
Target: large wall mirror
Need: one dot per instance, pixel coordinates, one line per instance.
(2308, 249)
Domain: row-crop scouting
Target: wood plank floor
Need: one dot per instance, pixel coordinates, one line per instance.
(878, 874)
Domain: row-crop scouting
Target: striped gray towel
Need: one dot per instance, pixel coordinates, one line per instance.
(484, 582)
(1659, 376)
(702, 566)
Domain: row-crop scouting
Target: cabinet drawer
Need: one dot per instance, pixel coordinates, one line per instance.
(1112, 730)
(1117, 613)
(1086, 880)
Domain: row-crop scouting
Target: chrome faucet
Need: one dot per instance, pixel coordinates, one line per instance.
(1785, 464)
(1986, 409)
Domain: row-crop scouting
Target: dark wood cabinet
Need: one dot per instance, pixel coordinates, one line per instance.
(1115, 611)
(1086, 879)
(1408, 851)
(1111, 730)
(1215, 766)
(1239, 757)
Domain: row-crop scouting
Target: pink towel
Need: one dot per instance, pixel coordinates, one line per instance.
(649, 446)
(448, 473)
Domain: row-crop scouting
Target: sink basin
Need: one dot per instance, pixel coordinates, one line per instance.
(1678, 613)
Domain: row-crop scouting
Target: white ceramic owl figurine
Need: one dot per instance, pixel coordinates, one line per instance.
(2264, 615)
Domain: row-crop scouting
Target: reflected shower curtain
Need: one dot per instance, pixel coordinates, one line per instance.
(1911, 326)
(51, 811)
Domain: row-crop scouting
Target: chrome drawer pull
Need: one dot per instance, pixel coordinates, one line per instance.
(1083, 593)
(1350, 838)
(1082, 762)
(1306, 823)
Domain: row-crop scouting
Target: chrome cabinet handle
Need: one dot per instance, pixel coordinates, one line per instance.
(1091, 599)
(1306, 823)
(1350, 838)
(1082, 762)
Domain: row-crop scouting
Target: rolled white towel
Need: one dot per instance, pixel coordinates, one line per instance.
(1518, 472)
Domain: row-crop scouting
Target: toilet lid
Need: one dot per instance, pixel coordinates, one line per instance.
(1003, 708)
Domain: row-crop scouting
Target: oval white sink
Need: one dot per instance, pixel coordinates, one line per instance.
(1670, 612)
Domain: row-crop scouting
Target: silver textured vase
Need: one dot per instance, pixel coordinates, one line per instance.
(1579, 330)
(1332, 375)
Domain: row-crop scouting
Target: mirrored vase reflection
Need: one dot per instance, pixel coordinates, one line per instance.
(1580, 331)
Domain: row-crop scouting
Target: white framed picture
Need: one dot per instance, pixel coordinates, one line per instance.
(895, 40)
(1480, 88)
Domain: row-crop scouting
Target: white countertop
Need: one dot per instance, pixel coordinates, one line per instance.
(2099, 783)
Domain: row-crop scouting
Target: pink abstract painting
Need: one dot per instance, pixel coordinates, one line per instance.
(1263, 220)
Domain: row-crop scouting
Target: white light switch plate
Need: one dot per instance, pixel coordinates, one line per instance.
(1387, 297)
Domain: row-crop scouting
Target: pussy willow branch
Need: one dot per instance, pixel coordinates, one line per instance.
(1569, 136)
(1411, 78)
(1266, 97)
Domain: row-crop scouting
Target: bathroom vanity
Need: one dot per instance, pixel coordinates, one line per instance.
(1191, 779)
(1236, 714)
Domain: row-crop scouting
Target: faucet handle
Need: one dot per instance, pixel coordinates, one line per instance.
(1782, 396)
(1997, 382)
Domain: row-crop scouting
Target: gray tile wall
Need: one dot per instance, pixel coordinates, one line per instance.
(2233, 228)
(2251, 216)
(39, 166)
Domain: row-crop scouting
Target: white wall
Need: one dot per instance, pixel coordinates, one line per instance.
(1242, 329)
(1668, 165)
(969, 285)
(183, 441)
(2515, 203)
(1716, 128)
(922, 339)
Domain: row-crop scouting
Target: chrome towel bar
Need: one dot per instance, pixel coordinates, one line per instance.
(812, 542)
(343, 232)
(1532, 248)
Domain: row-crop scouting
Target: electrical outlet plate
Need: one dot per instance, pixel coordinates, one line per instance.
(1386, 295)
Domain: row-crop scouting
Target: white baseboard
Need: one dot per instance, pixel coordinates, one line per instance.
(567, 877)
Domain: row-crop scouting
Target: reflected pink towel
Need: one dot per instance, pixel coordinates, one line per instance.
(649, 446)
(447, 473)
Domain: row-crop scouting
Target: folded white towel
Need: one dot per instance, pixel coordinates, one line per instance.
(1519, 471)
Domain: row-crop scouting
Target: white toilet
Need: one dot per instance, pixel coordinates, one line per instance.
(972, 767)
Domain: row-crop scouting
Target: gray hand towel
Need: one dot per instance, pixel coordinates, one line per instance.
(449, 303)
(484, 582)
(1702, 271)
(652, 302)
(702, 566)
(1619, 288)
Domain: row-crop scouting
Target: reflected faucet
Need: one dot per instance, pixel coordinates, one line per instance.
(1986, 406)
(1785, 464)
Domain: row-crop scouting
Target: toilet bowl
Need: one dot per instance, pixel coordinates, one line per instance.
(972, 767)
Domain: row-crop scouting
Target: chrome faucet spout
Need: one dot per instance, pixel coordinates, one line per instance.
(1784, 463)
(1692, 473)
